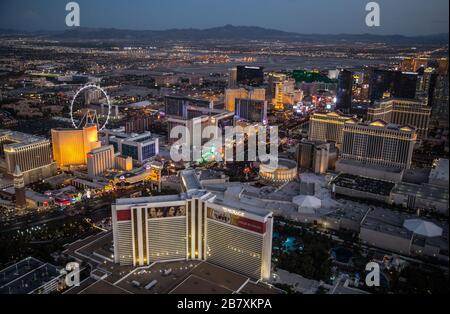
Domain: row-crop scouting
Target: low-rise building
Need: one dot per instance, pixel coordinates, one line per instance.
(362, 187)
(141, 147)
(284, 171)
(30, 276)
(421, 197)
(386, 229)
(124, 163)
(439, 173)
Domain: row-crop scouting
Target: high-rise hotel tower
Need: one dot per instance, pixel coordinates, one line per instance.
(379, 143)
(411, 112)
(194, 225)
(70, 146)
(31, 153)
(328, 127)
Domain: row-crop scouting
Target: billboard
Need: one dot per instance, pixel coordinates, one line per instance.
(164, 212)
(236, 218)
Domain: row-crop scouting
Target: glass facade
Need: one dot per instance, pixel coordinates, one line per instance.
(251, 110)
(128, 150)
(148, 151)
(115, 145)
(250, 76)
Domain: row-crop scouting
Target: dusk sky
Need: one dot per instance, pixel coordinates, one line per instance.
(406, 17)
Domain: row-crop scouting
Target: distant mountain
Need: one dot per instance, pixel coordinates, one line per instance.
(9, 32)
(224, 32)
(227, 32)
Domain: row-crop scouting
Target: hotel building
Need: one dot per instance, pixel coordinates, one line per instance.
(403, 112)
(344, 93)
(138, 124)
(232, 79)
(251, 110)
(231, 94)
(281, 90)
(195, 123)
(140, 147)
(194, 115)
(317, 156)
(176, 106)
(70, 146)
(194, 225)
(328, 127)
(386, 83)
(440, 107)
(124, 163)
(31, 153)
(379, 143)
(275, 84)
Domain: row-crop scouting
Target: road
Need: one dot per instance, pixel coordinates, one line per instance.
(101, 210)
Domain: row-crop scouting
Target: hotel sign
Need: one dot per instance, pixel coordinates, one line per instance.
(235, 218)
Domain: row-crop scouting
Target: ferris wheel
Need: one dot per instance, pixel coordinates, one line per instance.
(89, 115)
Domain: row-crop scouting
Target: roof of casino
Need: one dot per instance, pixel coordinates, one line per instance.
(357, 163)
(392, 223)
(364, 184)
(235, 197)
(424, 191)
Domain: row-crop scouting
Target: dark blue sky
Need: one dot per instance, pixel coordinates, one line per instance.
(407, 17)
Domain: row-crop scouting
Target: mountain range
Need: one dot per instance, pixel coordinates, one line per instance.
(227, 32)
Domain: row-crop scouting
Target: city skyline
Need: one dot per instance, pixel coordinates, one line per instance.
(247, 161)
(303, 17)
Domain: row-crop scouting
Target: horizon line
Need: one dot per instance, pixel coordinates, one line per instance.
(220, 26)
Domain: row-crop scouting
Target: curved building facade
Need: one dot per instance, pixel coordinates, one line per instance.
(70, 146)
(285, 171)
